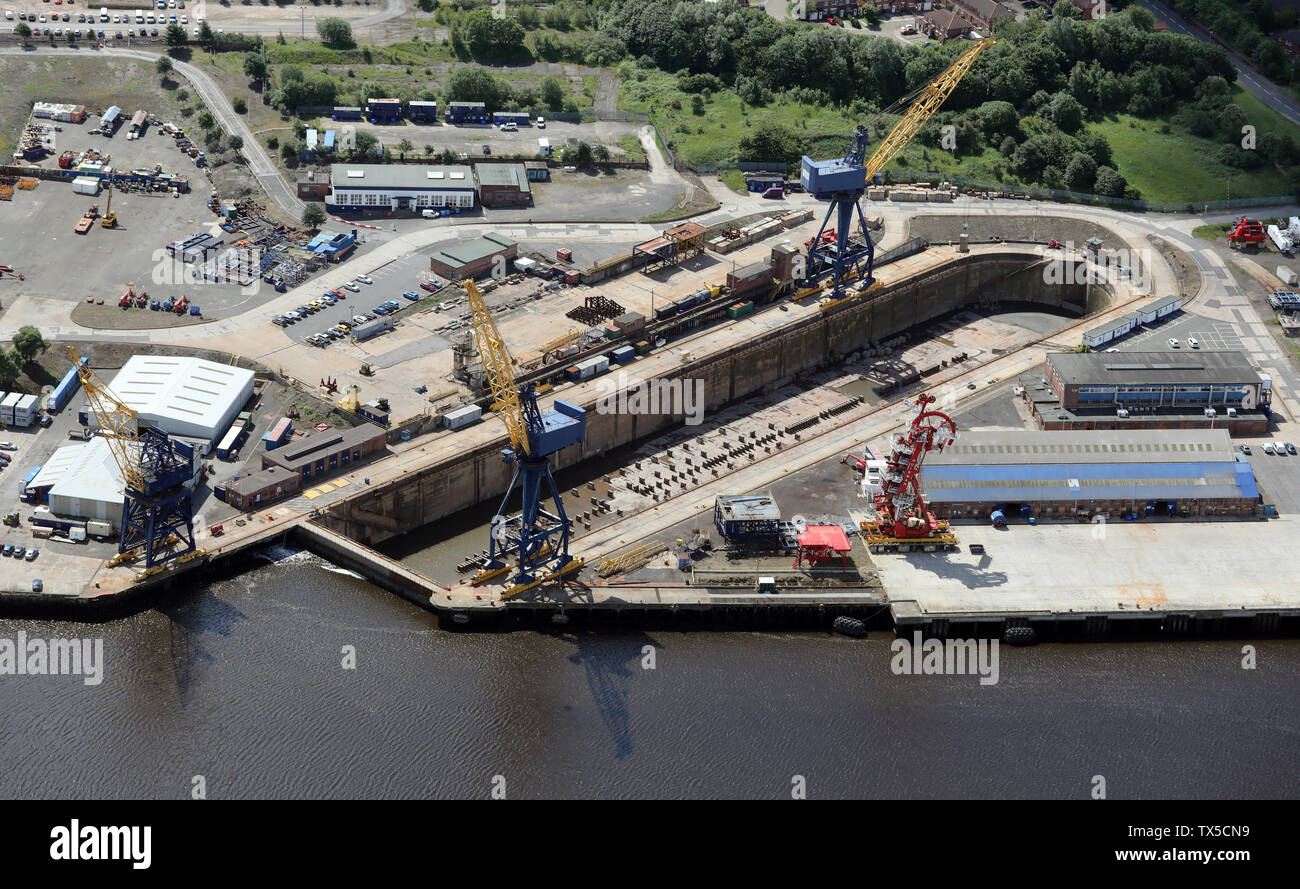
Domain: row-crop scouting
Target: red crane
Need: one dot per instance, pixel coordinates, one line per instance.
(900, 509)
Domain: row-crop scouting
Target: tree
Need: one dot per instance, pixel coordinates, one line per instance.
(1081, 172)
(488, 35)
(470, 83)
(1067, 113)
(1110, 183)
(600, 153)
(404, 146)
(367, 145)
(552, 93)
(289, 150)
(313, 216)
(29, 343)
(23, 31)
(255, 66)
(335, 33)
(10, 366)
(176, 35)
(206, 120)
(697, 105)
(579, 156)
(1272, 60)
(236, 142)
(240, 106)
(163, 66)
(205, 33)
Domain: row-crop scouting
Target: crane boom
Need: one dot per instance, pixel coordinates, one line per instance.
(934, 95)
(119, 423)
(498, 366)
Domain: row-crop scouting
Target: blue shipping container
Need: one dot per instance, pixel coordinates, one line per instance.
(62, 392)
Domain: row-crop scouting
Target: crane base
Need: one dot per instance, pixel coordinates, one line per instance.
(880, 541)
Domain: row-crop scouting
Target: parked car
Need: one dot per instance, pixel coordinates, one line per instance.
(380, 310)
(20, 552)
(46, 421)
(1268, 449)
(509, 127)
(364, 279)
(487, 149)
(429, 286)
(32, 554)
(5, 458)
(8, 446)
(541, 123)
(1173, 343)
(359, 319)
(353, 286)
(37, 586)
(1193, 342)
(392, 304)
(1290, 448)
(279, 321)
(411, 295)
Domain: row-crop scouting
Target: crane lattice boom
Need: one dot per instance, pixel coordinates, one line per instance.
(118, 423)
(900, 507)
(934, 95)
(498, 366)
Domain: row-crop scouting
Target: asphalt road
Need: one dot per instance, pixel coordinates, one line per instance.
(206, 88)
(1264, 89)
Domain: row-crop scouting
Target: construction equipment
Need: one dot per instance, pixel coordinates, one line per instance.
(540, 539)
(157, 512)
(851, 253)
(902, 522)
(1246, 231)
(110, 218)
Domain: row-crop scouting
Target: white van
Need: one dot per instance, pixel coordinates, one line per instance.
(543, 147)
(103, 13)
(430, 214)
(139, 16)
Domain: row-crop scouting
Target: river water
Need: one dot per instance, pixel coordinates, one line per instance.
(241, 682)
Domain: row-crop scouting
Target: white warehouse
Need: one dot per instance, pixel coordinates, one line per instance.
(187, 397)
(83, 482)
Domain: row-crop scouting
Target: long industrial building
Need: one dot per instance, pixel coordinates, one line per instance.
(473, 258)
(361, 187)
(186, 397)
(1201, 389)
(1143, 472)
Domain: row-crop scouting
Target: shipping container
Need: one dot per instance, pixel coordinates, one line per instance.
(462, 417)
(422, 111)
(26, 411)
(278, 434)
(740, 310)
(373, 412)
(371, 328)
(7, 406)
(592, 367)
(643, 347)
(96, 528)
(623, 355)
(230, 442)
(86, 185)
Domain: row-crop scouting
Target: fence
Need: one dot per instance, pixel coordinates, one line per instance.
(744, 166)
(897, 177)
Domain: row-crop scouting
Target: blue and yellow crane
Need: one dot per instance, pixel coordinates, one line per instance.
(849, 253)
(538, 537)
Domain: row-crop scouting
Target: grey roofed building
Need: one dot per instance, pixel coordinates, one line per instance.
(511, 175)
(1127, 368)
(1019, 446)
(400, 176)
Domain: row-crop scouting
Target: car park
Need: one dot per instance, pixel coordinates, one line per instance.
(353, 286)
(365, 279)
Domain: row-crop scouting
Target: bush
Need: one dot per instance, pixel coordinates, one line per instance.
(240, 106)
(335, 33)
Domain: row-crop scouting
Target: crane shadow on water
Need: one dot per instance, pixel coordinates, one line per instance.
(191, 621)
(608, 664)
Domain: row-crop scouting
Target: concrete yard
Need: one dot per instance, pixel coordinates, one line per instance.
(1115, 567)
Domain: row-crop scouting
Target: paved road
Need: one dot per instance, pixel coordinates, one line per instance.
(207, 89)
(1264, 89)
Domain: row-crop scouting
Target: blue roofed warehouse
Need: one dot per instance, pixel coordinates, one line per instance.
(1073, 474)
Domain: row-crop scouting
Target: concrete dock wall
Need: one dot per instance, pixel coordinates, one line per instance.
(805, 345)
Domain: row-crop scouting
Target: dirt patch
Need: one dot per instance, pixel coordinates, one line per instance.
(1189, 277)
